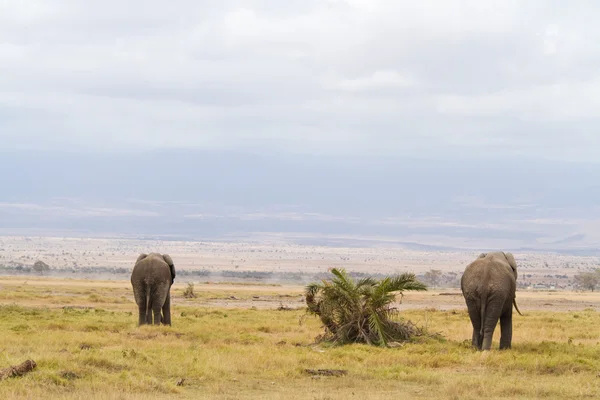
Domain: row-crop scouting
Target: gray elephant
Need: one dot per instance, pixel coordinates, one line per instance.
(151, 278)
(488, 285)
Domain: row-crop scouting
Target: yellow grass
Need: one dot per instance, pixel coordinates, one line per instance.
(244, 353)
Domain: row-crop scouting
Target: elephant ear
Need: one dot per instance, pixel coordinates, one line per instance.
(141, 257)
(169, 261)
(511, 261)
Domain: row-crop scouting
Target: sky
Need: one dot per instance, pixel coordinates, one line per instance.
(309, 76)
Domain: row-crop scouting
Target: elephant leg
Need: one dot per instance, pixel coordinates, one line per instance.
(149, 315)
(506, 330)
(166, 310)
(489, 325)
(157, 310)
(159, 298)
(142, 314)
(475, 316)
(488, 334)
(139, 293)
(149, 307)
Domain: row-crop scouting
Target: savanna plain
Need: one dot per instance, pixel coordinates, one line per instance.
(250, 341)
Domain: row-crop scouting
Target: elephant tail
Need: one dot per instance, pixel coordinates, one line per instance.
(515, 303)
(148, 303)
(483, 304)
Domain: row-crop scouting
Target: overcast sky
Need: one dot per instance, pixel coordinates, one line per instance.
(328, 76)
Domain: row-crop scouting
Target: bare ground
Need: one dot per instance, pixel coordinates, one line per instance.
(274, 296)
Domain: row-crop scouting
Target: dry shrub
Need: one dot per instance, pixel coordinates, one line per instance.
(188, 293)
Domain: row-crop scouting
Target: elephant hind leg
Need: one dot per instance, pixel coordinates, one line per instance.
(166, 310)
(149, 306)
(475, 316)
(149, 316)
(139, 293)
(489, 325)
(157, 309)
(142, 313)
(506, 330)
(159, 298)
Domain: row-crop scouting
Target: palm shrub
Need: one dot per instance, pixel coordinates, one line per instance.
(361, 311)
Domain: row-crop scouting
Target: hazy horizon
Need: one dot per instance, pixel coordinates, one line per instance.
(464, 124)
(202, 194)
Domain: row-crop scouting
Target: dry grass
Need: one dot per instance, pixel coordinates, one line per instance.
(248, 353)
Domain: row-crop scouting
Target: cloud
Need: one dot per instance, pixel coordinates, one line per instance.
(379, 76)
(378, 80)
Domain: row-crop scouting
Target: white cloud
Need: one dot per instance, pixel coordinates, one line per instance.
(383, 75)
(543, 103)
(381, 80)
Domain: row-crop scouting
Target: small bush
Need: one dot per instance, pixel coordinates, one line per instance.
(361, 311)
(188, 293)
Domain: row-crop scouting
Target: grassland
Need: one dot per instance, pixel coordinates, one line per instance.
(84, 338)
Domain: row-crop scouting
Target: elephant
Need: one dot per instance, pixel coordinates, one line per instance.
(488, 285)
(151, 278)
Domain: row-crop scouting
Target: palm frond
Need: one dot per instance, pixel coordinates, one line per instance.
(343, 280)
(310, 294)
(368, 281)
(405, 281)
(377, 325)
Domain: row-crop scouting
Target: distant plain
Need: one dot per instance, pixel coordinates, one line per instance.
(250, 338)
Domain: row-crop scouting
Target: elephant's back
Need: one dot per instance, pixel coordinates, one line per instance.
(151, 269)
(475, 274)
(484, 274)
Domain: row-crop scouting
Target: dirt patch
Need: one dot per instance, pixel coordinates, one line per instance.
(143, 335)
(69, 375)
